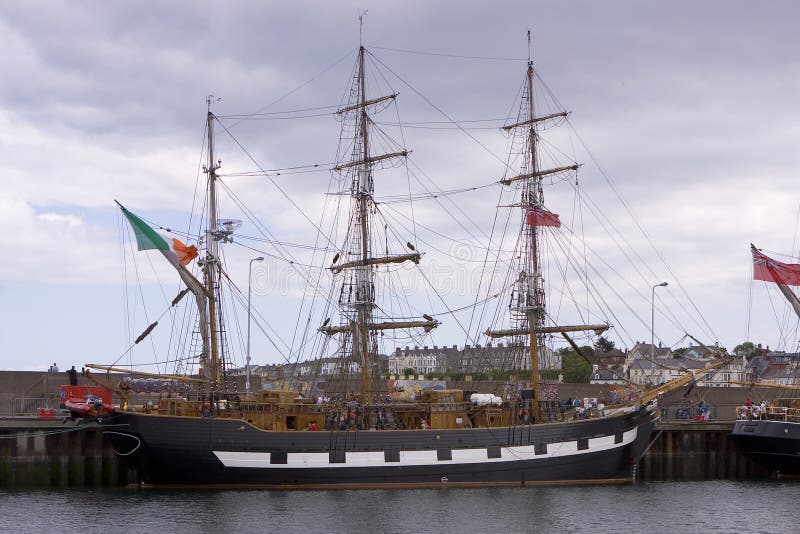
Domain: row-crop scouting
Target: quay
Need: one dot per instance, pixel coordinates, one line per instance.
(38, 452)
(684, 451)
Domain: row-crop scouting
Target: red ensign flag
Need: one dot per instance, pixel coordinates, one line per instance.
(769, 270)
(542, 217)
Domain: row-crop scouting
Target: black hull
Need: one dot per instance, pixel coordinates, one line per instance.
(188, 451)
(773, 444)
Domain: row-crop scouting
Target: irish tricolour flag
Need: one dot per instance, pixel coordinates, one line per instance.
(148, 239)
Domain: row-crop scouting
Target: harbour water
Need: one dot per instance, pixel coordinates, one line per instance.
(655, 507)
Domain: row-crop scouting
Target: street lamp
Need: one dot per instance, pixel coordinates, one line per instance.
(249, 292)
(653, 321)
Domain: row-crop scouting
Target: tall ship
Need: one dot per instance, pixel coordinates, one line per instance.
(213, 434)
(770, 435)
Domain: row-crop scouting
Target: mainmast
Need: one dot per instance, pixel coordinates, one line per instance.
(528, 303)
(364, 272)
(358, 263)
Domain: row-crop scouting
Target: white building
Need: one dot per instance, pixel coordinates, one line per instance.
(422, 360)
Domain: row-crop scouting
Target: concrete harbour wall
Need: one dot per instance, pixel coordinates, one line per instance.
(36, 453)
(695, 451)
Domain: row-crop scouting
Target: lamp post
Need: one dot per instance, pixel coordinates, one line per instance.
(249, 292)
(653, 321)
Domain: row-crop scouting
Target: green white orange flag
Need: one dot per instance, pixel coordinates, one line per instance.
(176, 252)
(179, 255)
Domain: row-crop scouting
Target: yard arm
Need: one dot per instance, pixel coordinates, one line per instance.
(681, 381)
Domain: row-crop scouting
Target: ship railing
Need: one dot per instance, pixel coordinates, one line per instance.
(451, 407)
(745, 412)
(403, 406)
(274, 406)
(30, 405)
(224, 407)
(783, 413)
(753, 412)
(773, 413)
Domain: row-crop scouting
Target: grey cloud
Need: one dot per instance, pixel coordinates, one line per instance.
(689, 106)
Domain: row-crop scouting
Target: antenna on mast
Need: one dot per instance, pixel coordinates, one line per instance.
(361, 27)
(210, 99)
(529, 46)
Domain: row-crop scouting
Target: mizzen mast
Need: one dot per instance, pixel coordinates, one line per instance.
(535, 297)
(528, 303)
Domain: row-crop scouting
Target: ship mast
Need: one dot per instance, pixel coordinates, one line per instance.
(357, 295)
(528, 303)
(364, 273)
(532, 192)
(212, 250)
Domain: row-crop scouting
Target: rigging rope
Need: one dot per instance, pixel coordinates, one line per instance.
(454, 56)
(641, 229)
(307, 82)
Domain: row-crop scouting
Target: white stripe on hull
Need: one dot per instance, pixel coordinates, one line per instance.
(294, 460)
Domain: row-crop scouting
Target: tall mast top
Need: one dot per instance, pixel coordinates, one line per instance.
(361, 28)
(529, 47)
(210, 99)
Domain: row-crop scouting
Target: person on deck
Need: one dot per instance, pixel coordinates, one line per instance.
(524, 416)
(312, 426)
(351, 417)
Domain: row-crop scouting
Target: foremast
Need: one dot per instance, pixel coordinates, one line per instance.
(207, 295)
(528, 300)
(211, 267)
(358, 263)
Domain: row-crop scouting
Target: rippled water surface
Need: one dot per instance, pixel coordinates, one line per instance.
(691, 507)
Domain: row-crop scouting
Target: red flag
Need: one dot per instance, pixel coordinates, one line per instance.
(538, 216)
(769, 270)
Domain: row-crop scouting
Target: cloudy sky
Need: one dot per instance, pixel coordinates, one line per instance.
(689, 108)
